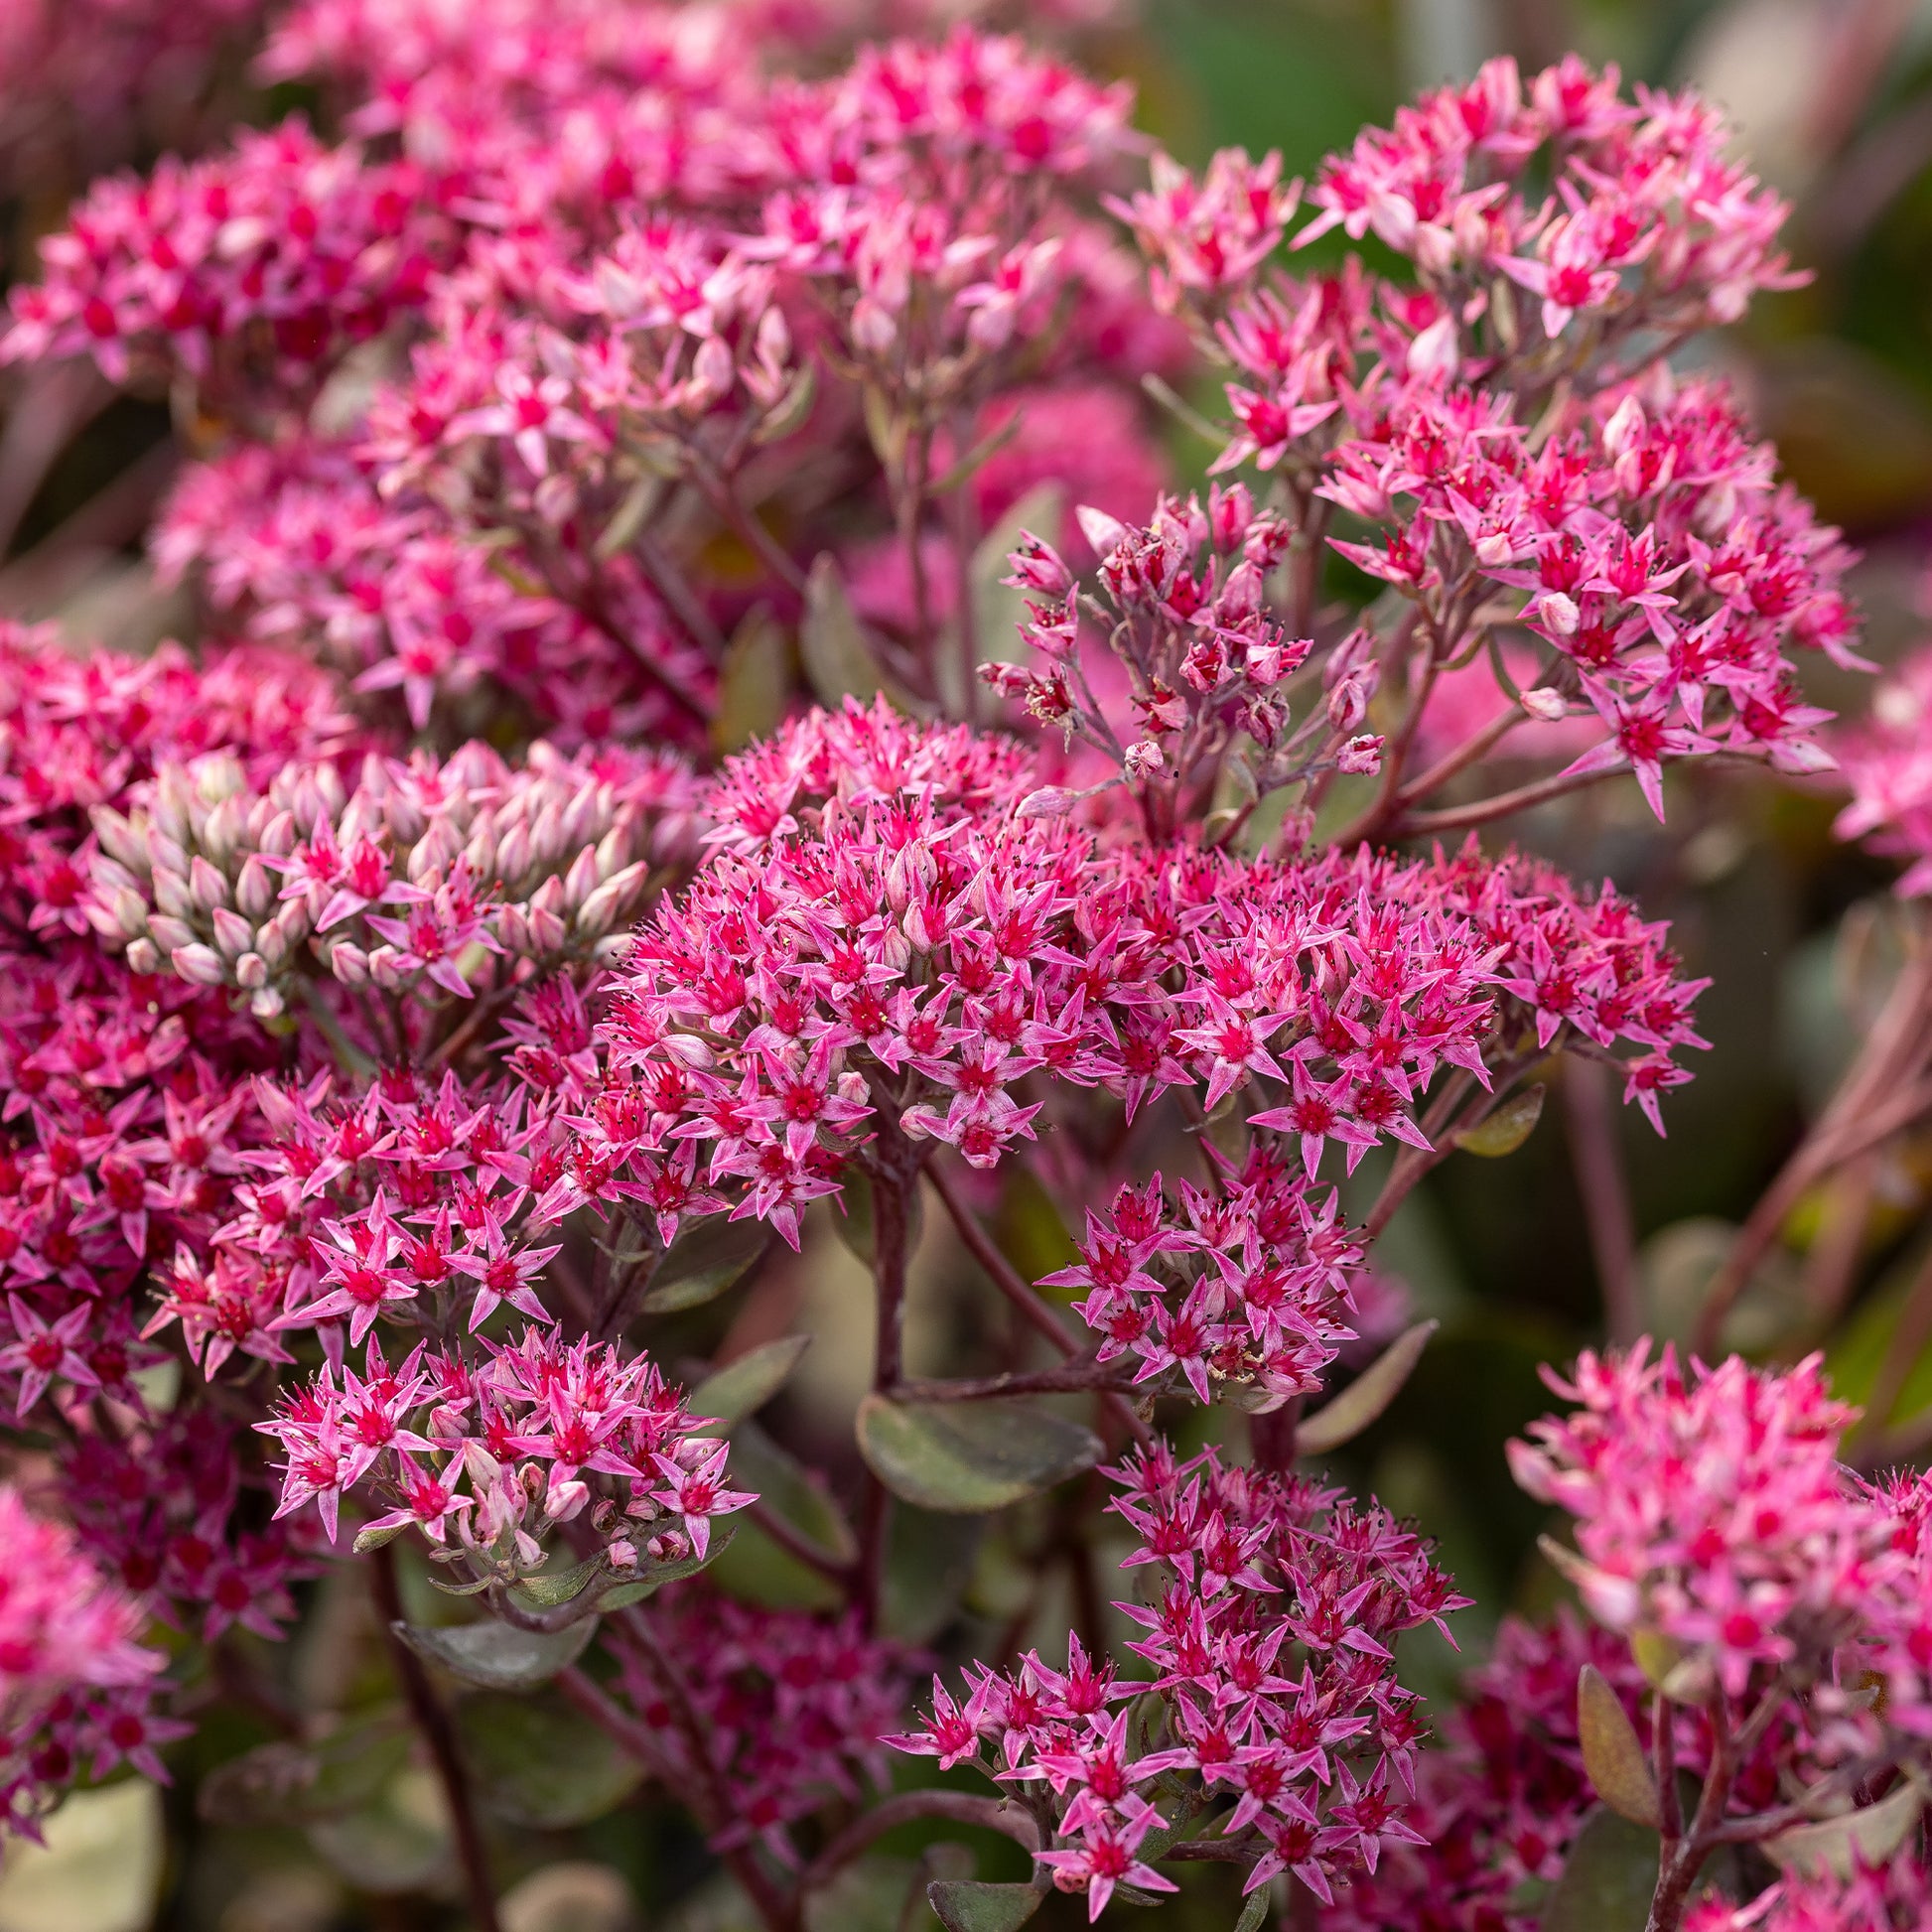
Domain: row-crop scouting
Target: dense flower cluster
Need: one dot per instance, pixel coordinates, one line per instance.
(795, 1705)
(1643, 222)
(1710, 1506)
(1492, 450)
(1250, 1285)
(1270, 1609)
(1733, 1561)
(501, 1451)
(418, 877)
(861, 949)
(294, 542)
(69, 1654)
(1889, 771)
(1668, 573)
(255, 270)
(1500, 1802)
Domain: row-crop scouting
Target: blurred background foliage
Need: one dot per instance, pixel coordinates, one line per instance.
(1832, 99)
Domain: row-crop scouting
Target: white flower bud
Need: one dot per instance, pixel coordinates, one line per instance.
(349, 964)
(1560, 613)
(201, 965)
(233, 934)
(207, 887)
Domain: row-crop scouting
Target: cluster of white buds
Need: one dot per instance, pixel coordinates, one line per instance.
(421, 874)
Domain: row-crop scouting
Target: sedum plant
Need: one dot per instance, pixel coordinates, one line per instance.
(716, 722)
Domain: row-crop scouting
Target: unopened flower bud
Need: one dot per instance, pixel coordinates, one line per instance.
(1559, 614)
(206, 884)
(1050, 802)
(1434, 352)
(1348, 701)
(349, 964)
(201, 965)
(1545, 704)
(255, 887)
(232, 934)
(1625, 430)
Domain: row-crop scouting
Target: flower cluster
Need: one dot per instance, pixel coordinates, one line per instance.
(502, 1450)
(1666, 573)
(1887, 764)
(1249, 1285)
(294, 544)
(1268, 1615)
(1500, 1802)
(863, 953)
(1710, 1506)
(423, 874)
(795, 1703)
(1206, 661)
(1636, 217)
(255, 270)
(569, 827)
(1749, 1591)
(62, 1627)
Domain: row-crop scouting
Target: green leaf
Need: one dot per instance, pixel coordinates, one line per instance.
(1613, 1755)
(886, 429)
(752, 682)
(1835, 1847)
(1608, 1878)
(792, 409)
(852, 1219)
(1655, 1654)
(1031, 1232)
(998, 609)
(743, 1387)
(398, 1843)
(537, 1763)
(476, 1587)
(1254, 1911)
(293, 1784)
(928, 1564)
(549, 1587)
(981, 453)
(703, 1262)
(967, 1905)
(1365, 1398)
(968, 1457)
(496, 1656)
(1506, 1127)
(832, 642)
(784, 1484)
